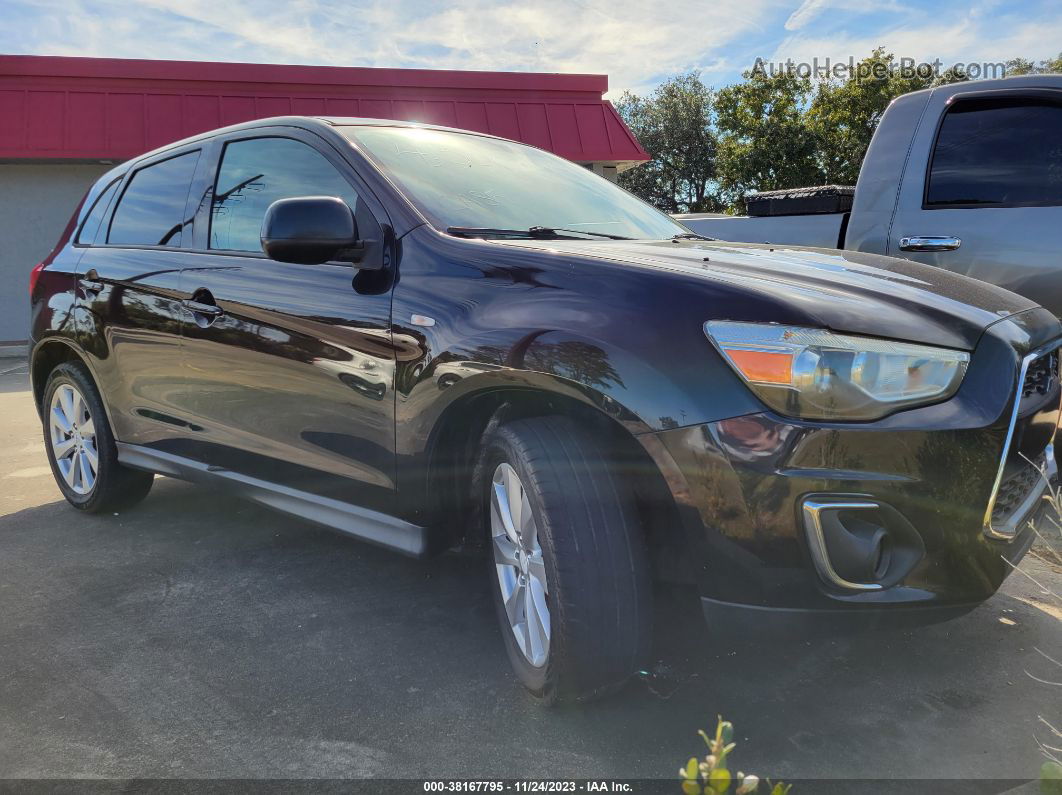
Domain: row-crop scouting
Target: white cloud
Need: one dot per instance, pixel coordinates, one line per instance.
(631, 42)
(972, 36)
(635, 43)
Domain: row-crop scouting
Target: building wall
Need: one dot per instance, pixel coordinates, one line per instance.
(36, 201)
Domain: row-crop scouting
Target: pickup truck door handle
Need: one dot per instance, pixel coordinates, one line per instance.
(929, 243)
(91, 283)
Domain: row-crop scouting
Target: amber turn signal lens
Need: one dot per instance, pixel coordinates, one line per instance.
(763, 367)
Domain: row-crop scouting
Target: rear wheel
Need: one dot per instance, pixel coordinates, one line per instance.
(80, 445)
(568, 566)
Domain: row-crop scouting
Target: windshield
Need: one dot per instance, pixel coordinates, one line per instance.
(469, 181)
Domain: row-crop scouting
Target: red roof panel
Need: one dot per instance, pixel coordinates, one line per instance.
(113, 109)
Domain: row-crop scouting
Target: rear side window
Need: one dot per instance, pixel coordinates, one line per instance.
(151, 211)
(91, 226)
(998, 153)
(254, 174)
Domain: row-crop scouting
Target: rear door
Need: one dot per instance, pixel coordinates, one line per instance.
(990, 203)
(129, 304)
(291, 367)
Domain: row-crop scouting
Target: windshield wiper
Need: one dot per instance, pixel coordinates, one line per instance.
(539, 232)
(690, 236)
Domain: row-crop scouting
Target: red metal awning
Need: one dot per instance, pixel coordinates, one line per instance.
(57, 108)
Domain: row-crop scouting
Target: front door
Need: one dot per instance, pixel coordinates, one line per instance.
(990, 204)
(291, 367)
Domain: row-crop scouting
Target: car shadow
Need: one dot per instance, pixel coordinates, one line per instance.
(200, 635)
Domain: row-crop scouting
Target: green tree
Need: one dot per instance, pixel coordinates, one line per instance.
(674, 125)
(1023, 66)
(844, 113)
(764, 140)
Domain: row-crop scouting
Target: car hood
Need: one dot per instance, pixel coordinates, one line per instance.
(842, 290)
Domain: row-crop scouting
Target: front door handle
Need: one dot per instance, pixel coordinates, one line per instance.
(929, 243)
(204, 313)
(197, 308)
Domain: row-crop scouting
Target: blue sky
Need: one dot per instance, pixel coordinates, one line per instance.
(637, 44)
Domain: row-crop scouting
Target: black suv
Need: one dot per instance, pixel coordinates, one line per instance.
(427, 337)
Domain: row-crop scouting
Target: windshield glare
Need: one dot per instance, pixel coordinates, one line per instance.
(463, 180)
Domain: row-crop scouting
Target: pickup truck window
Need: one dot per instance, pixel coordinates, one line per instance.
(465, 180)
(998, 153)
(151, 211)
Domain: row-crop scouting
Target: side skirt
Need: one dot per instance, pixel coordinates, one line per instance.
(371, 526)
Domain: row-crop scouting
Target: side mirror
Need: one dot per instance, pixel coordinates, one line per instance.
(309, 230)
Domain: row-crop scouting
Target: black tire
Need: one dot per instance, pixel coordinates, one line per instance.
(599, 594)
(115, 486)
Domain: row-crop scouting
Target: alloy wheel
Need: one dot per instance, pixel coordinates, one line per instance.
(520, 566)
(72, 433)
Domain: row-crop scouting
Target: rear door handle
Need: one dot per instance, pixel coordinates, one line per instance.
(929, 243)
(91, 283)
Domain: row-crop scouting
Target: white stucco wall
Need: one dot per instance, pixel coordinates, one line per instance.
(36, 201)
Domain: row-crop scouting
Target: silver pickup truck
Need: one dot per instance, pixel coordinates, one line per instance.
(967, 177)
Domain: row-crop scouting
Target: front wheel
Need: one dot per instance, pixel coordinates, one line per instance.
(568, 565)
(81, 448)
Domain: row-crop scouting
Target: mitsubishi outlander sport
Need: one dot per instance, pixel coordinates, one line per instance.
(427, 337)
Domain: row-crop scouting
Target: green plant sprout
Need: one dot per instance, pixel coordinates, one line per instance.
(712, 776)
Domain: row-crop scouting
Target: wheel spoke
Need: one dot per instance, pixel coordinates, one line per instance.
(536, 568)
(527, 527)
(60, 421)
(93, 459)
(79, 408)
(538, 623)
(88, 479)
(63, 448)
(514, 493)
(515, 605)
(70, 475)
(88, 428)
(505, 552)
(66, 402)
(501, 501)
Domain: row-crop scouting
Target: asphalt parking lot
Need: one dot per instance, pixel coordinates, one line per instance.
(199, 636)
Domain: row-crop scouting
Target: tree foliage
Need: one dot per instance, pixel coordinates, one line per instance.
(674, 125)
(768, 132)
(764, 140)
(843, 114)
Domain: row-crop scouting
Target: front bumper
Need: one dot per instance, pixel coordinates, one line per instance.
(741, 486)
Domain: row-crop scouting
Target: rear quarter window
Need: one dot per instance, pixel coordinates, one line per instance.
(87, 234)
(151, 211)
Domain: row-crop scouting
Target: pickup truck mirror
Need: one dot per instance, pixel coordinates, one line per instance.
(310, 230)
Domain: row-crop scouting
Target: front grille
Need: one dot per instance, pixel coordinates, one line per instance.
(1015, 488)
(1041, 375)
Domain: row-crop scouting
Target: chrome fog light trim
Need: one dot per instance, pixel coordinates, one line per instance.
(820, 556)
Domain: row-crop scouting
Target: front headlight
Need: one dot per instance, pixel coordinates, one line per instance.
(817, 374)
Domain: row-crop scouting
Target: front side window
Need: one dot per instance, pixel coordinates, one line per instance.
(151, 211)
(998, 152)
(88, 230)
(257, 172)
(463, 180)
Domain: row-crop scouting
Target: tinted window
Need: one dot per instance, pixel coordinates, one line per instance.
(254, 174)
(998, 152)
(95, 215)
(151, 211)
